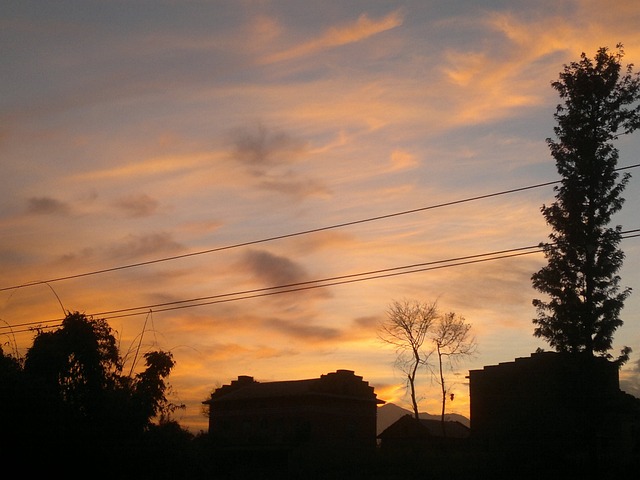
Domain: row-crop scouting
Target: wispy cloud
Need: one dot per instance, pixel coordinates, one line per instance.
(144, 246)
(302, 330)
(501, 76)
(224, 351)
(269, 156)
(146, 167)
(133, 246)
(357, 31)
(200, 227)
(259, 148)
(328, 240)
(47, 206)
(137, 206)
(273, 269)
(402, 160)
(289, 184)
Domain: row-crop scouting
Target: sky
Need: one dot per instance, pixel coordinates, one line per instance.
(224, 145)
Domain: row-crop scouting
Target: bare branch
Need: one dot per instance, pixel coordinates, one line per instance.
(452, 340)
(406, 328)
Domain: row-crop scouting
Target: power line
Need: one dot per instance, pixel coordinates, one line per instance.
(311, 284)
(299, 286)
(278, 237)
(319, 283)
(294, 234)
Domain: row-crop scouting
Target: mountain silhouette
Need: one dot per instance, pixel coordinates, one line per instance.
(389, 413)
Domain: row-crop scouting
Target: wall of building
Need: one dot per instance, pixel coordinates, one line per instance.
(549, 404)
(337, 410)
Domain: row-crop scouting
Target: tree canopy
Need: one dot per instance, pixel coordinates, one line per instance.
(69, 394)
(581, 281)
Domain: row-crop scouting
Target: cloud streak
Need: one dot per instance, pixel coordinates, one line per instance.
(301, 330)
(357, 31)
(273, 269)
(144, 246)
(270, 157)
(259, 148)
(47, 206)
(138, 205)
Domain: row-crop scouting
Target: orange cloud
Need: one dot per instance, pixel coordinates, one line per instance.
(144, 168)
(137, 205)
(403, 160)
(362, 29)
(490, 84)
(47, 206)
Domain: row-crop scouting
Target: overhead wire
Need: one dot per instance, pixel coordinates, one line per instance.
(292, 287)
(309, 285)
(293, 234)
(276, 237)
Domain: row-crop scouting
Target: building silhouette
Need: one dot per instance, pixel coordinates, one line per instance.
(336, 411)
(410, 435)
(557, 408)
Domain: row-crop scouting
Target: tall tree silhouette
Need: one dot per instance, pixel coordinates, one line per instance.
(581, 278)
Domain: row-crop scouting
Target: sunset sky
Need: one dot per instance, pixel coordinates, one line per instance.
(137, 131)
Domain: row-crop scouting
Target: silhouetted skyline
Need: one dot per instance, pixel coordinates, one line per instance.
(156, 130)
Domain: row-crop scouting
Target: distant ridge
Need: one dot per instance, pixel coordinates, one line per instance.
(390, 413)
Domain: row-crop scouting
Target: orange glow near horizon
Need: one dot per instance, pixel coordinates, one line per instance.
(230, 130)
